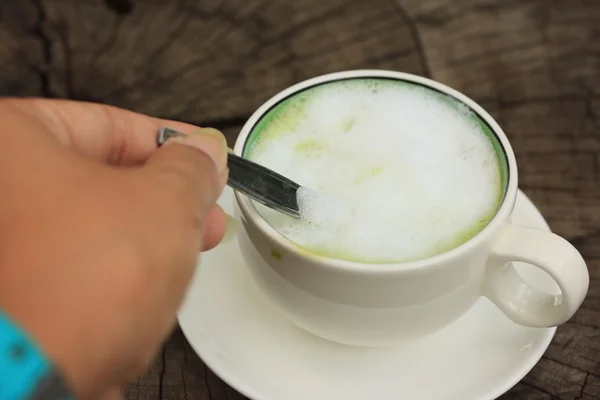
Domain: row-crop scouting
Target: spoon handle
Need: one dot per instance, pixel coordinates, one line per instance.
(257, 182)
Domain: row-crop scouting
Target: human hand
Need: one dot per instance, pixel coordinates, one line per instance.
(100, 231)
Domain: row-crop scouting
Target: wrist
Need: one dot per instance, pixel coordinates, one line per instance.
(25, 371)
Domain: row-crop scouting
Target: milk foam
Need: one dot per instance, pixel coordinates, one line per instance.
(393, 172)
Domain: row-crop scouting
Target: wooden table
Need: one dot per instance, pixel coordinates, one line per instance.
(534, 64)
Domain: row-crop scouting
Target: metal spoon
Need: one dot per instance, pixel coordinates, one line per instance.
(257, 182)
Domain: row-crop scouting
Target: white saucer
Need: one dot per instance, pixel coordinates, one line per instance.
(251, 346)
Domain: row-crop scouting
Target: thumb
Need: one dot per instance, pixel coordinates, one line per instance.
(193, 167)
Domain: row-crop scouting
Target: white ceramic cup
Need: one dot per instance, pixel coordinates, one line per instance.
(379, 305)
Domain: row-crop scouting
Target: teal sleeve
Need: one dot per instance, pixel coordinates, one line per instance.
(25, 371)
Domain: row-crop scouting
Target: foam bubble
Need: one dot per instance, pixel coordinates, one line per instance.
(395, 172)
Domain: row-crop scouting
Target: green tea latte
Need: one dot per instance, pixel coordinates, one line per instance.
(401, 172)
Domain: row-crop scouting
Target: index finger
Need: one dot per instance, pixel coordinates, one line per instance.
(102, 132)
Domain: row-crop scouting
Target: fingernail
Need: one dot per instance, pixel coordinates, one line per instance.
(211, 142)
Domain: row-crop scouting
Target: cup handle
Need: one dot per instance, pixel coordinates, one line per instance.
(523, 303)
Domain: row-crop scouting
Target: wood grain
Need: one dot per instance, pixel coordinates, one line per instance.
(215, 61)
(533, 64)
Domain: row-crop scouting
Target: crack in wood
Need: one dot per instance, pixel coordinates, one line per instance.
(46, 44)
(539, 389)
(68, 71)
(583, 386)
(120, 7)
(568, 366)
(184, 364)
(137, 387)
(416, 35)
(206, 381)
(590, 113)
(568, 343)
(543, 18)
(163, 368)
